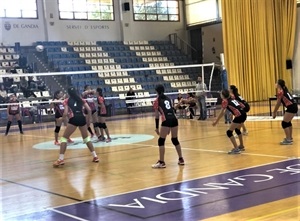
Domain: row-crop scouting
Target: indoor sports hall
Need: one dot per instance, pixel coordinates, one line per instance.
(50, 46)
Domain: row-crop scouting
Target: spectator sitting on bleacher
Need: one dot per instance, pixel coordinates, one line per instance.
(180, 105)
(129, 96)
(24, 86)
(32, 85)
(191, 103)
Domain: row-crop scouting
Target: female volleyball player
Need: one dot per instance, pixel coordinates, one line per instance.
(13, 110)
(58, 107)
(73, 107)
(284, 97)
(246, 107)
(240, 117)
(101, 116)
(88, 95)
(163, 106)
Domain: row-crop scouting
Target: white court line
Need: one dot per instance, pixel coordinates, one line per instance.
(192, 149)
(133, 191)
(67, 214)
(221, 151)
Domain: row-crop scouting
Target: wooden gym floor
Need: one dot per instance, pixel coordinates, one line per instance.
(117, 187)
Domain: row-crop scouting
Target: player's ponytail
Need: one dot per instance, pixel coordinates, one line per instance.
(99, 90)
(235, 90)
(281, 83)
(74, 95)
(225, 93)
(160, 91)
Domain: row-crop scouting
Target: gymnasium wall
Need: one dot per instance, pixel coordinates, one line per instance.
(48, 27)
(296, 61)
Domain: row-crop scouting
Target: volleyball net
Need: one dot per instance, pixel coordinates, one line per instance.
(115, 83)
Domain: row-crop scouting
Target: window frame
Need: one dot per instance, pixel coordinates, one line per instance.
(87, 13)
(156, 14)
(21, 12)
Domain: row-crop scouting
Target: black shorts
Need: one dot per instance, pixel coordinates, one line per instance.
(93, 111)
(170, 122)
(240, 119)
(293, 108)
(77, 121)
(58, 115)
(13, 113)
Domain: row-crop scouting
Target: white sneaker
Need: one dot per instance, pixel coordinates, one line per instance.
(245, 133)
(159, 165)
(286, 142)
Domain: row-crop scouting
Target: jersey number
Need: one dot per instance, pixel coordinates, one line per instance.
(167, 105)
(236, 103)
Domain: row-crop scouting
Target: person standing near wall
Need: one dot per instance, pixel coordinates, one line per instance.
(201, 94)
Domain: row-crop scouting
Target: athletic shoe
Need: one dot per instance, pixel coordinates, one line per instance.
(95, 159)
(235, 151)
(286, 142)
(5, 134)
(159, 165)
(92, 135)
(181, 161)
(108, 140)
(56, 143)
(100, 138)
(21, 132)
(245, 133)
(70, 141)
(58, 163)
(241, 148)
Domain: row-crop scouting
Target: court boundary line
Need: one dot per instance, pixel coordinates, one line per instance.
(118, 194)
(68, 215)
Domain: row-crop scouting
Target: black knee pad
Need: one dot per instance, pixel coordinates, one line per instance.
(100, 125)
(95, 125)
(9, 123)
(285, 124)
(229, 133)
(57, 129)
(104, 125)
(237, 131)
(175, 141)
(161, 141)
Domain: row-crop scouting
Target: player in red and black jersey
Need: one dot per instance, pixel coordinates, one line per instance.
(284, 97)
(58, 107)
(246, 107)
(163, 106)
(73, 107)
(13, 110)
(101, 116)
(240, 117)
(89, 95)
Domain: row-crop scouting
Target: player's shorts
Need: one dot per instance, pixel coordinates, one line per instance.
(78, 121)
(58, 115)
(293, 108)
(170, 122)
(240, 119)
(13, 113)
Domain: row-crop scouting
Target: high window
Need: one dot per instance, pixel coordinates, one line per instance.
(86, 9)
(18, 9)
(156, 10)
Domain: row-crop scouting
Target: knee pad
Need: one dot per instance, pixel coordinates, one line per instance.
(95, 125)
(237, 131)
(161, 141)
(229, 133)
(175, 141)
(87, 139)
(8, 122)
(100, 125)
(285, 124)
(104, 125)
(63, 140)
(57, 129)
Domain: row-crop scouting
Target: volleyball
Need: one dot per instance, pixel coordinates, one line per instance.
(39, 48)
